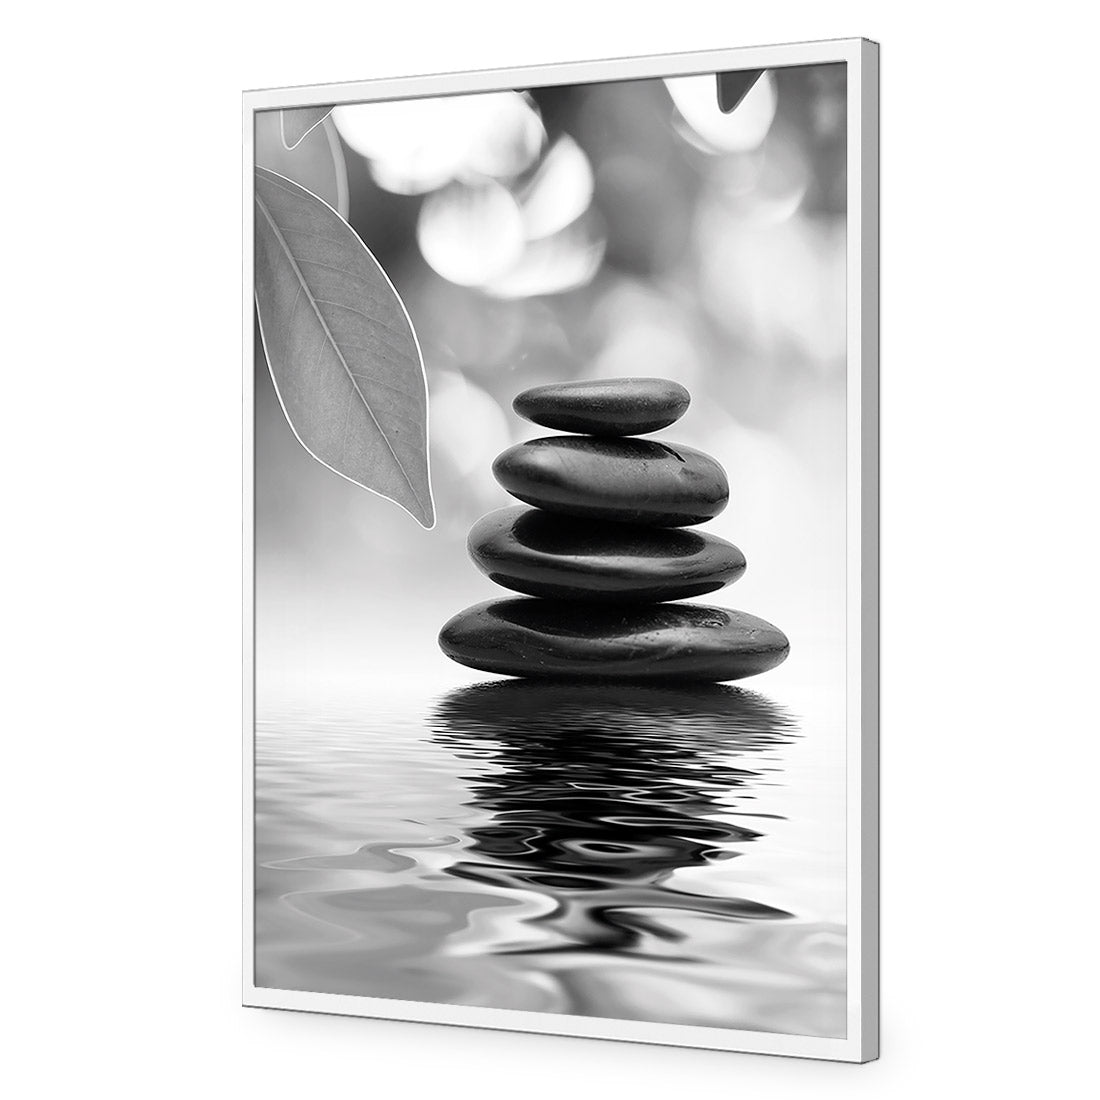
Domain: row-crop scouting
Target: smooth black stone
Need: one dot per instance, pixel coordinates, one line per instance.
(552, 638)
(623, 480)
(532, 551)
(618, 406)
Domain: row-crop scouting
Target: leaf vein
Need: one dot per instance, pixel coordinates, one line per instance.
(366, 316)
(327, 333)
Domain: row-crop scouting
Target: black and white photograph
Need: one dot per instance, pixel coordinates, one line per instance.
(548, 551)
(556, 662)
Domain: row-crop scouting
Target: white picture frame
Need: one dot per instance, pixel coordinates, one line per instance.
(861, 1042)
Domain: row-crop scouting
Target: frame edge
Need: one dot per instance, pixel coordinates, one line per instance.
(860, 52)
(869, 550)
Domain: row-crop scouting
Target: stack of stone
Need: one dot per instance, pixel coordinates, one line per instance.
(604, 546)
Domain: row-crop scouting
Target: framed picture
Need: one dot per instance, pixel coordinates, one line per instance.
(561, 480)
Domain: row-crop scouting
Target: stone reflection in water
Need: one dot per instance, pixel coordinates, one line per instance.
(551, 847)
(604, 791)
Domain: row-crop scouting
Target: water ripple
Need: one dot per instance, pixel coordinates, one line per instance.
(560, 847)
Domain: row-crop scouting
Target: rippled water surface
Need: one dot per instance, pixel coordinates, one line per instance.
(561, 848)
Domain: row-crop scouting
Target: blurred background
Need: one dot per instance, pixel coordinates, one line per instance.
(625, 228)
(536, 236)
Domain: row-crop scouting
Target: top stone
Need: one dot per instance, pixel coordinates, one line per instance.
(617, 406)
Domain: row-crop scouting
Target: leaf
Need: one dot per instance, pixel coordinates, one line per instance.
(296, 122)
(732, 87)
(340, 347)
(315, 163)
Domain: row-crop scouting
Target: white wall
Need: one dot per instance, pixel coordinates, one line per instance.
(120, 447)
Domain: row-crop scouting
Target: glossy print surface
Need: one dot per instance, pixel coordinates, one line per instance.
(622, 480)
(550, 638)
(614, 406)
(543, 554)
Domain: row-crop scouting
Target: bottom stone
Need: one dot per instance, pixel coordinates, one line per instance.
(552, 638)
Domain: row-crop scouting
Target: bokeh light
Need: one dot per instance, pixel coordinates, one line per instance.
(471, 234)
(418, 145)
(550, 265)
(560, 191)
